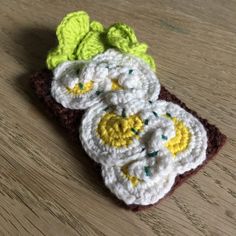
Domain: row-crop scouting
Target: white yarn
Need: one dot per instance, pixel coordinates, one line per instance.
(145, 194)
(148, 162)
(108, 155)
(93, 144)
(135, 77)
(133, 74)
(163, 168)
(67, 74)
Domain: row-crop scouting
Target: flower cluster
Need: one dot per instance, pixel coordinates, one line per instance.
(141, 142)
(143, 149)
(117, 77)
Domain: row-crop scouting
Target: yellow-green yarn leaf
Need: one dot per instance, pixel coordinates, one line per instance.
(70, 32)
(138, 48)
(91, 45)
(79, 39)
(54, 58)
(96, 26)
(148, 59)
(123, 37)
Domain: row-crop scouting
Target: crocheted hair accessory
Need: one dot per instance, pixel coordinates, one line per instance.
(145, 139)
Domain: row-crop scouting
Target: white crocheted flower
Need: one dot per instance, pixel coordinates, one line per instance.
(144, 151)
(113, 135)
(142, 143)
(188, 147)
(118, 78)
(128, 77)
(136, 190)
(71, 90)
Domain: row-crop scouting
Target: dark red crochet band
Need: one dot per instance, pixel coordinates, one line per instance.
(70, 119)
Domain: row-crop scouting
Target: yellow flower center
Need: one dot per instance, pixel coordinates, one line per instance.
(115, 85)
(133, 179)
(181, 140)
(81, 88)
(118, 131)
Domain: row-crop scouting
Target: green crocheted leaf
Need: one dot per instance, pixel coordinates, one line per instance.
(123, 38)
(69, 33)
(93, 43)
(96, 26)
(77, 39)
(54, 58)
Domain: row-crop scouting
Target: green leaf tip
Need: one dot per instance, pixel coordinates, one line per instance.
(70, 32)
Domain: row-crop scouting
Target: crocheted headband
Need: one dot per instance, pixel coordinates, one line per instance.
(143, 137)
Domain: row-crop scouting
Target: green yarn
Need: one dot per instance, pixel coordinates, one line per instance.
(93, 43)
(147, 171)
(96, 26)
(123, 37)
(80, 40)
(147, 58)
(69, 33)
(54, 58)
(152, 154)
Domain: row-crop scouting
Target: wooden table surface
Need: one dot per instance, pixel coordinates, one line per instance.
(47, 185)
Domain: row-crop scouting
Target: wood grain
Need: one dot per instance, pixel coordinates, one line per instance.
(47, 185)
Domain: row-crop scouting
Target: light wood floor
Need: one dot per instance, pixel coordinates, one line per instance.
(47, 185)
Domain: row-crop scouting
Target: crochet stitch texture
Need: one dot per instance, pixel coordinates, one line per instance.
(143, 143)
(78, 39)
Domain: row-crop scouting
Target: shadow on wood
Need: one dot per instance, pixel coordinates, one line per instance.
(36, 43)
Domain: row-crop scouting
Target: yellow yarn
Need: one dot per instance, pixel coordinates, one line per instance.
(81, 88)
(115, 85)
(133, 179)
(118, 131)
(181, 140)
